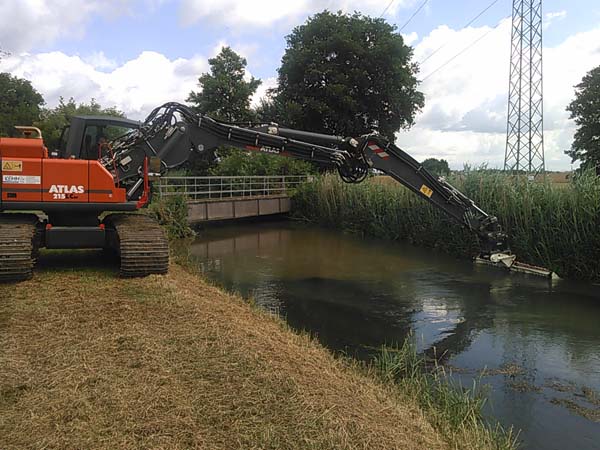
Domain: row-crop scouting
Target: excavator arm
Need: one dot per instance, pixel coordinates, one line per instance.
(390, 159)
(173, 132)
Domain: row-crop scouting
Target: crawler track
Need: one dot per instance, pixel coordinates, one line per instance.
(19, 243)
(141, 244)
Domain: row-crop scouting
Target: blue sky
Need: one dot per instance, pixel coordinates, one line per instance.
(160, 28)
(136, 54)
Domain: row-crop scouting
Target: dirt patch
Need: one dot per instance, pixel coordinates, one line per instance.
(88, 360)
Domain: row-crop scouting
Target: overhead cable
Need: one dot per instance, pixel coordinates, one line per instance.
(472, 44)
(413, 15)
(386, 8)
(481, 13)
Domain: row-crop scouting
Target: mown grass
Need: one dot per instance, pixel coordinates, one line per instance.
(548, 225)
(453, 410)
(88, 360)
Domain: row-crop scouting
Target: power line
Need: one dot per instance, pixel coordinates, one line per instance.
(472, 44)
(481, 13)
(386, 8)
(413, 15)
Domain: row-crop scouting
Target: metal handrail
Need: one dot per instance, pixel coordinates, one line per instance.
(219, 187)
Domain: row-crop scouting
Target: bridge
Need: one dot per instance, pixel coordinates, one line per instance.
(215, 198)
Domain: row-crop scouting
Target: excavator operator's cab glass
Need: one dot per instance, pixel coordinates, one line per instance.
(96, 139)
(61, 151)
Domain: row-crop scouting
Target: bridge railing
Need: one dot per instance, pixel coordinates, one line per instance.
(225, 187)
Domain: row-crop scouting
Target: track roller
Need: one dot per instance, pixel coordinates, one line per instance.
(19, 244)
(140, 242)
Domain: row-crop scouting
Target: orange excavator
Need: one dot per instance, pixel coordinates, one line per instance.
(84, 194)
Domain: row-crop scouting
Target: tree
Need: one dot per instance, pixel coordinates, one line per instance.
(235, 162)
(437, 167)
(348, 75)
(54, 120)
(20, 103)
(225, 94)
(585, 109)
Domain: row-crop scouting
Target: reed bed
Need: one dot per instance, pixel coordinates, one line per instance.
(557, 227)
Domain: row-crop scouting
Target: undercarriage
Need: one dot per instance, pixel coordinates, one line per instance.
(137, 239)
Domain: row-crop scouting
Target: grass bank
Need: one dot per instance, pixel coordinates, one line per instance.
(88, 360)
(548, 225)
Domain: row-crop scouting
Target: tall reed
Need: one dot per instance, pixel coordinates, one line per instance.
(453, 410)
(548, 225)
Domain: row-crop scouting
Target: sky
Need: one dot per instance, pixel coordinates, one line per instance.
(138, 54)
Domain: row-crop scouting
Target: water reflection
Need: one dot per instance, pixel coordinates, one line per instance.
(356, 294)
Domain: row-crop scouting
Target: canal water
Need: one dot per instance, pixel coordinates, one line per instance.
(534, 342)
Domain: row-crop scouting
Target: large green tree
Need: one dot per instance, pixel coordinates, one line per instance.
(53, 120)
(348, 75)
(438, 167)
(585, 109)
(20, 103)
(224, 93)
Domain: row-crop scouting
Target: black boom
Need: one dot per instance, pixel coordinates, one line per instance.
(173, 131)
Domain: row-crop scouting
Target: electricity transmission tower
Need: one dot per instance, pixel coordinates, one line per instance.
(525, 128)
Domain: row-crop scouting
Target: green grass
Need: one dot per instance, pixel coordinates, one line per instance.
(172, 213)
(548, 225)
(453, 410)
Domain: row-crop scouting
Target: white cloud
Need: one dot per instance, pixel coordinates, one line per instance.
(411, 38)
(551, 17)
(261, 92)
(25, 24)
(135, 87)
(99, 61)
(464, 119)
(252, 15)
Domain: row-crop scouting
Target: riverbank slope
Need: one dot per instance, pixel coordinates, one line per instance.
(88, 360)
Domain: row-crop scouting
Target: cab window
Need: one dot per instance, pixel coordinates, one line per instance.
(95, 135)
(62, 143)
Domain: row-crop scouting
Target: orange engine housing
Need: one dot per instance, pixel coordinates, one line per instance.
(29, 176)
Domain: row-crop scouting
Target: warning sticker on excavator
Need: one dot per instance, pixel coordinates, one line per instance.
(12, 166)
(426, 191)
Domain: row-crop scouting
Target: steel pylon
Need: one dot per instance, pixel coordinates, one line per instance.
(525, 128)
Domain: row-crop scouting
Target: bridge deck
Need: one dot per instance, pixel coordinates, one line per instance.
(237, 208)
(232, 197)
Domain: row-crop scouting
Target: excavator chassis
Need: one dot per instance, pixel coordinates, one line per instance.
(138, 240)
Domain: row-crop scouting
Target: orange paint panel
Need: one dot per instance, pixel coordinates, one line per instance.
(102, 186)
(21, 179)
(65, 180)
(23, 148)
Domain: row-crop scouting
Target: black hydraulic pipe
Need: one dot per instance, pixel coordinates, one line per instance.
(307, 136)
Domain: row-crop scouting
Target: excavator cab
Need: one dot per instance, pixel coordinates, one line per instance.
(82, 138)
